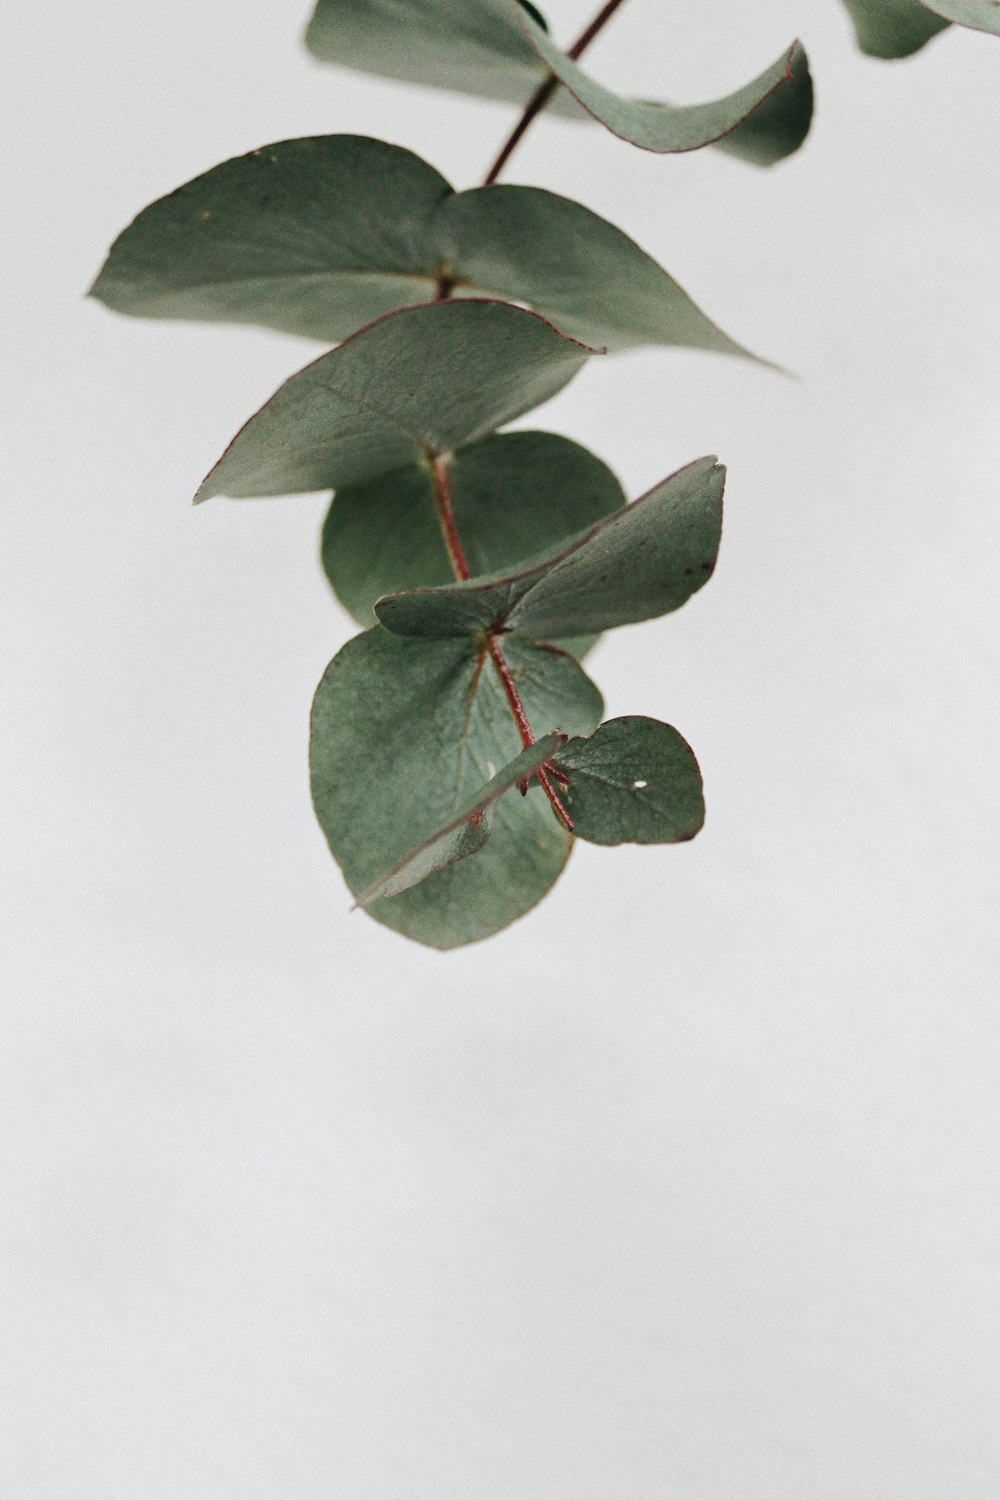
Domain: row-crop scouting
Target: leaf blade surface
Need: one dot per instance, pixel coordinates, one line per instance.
(403, 732)
(467, 832)
(424, 380)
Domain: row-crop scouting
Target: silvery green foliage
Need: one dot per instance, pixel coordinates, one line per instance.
(456, 746)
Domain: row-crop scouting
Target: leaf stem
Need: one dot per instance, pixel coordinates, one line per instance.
(443, 500)
(446, 516)
(545, 90)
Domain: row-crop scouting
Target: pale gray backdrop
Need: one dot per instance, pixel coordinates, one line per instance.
(685, 1188)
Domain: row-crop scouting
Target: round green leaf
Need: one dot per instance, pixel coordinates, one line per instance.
(634, 781)
(403, 733)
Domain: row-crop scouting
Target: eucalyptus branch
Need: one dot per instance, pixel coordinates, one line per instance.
(361, 245)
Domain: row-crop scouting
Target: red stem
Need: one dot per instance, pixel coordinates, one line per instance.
(524, 729)
(460, 567)
(446, 515)
(545, 90)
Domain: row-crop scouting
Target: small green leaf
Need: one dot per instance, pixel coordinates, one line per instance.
(467, 832)
(419, 382)
(892, 28)
(321, 236)
(634, 781)
(404, 732)
(500, 49)
(384, 536)
(641, 562)
(897, 28)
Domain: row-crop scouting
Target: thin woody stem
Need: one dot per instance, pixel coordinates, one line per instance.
(460, 567)
(545, 90)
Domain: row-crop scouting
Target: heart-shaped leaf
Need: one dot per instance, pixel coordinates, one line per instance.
(468, 831)
(419, 382)
(634, 781)
(321, 236)
(500, 49)
(404, 733)
(897, 28)
(641, 562)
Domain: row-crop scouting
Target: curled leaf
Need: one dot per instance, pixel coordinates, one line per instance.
(641, 562)
(501, 49)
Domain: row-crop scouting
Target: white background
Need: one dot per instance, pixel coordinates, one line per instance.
(684, 1188)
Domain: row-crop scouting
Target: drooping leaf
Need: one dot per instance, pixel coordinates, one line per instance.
(320, 236)
(763, 122)
(514, 495)
(470, 46)
(425, 380)
(500, 49)
(634, 781)
(403, 732)
(641, 562)
(892, 28)
(980, 15)
(897, 28)
(467, 832)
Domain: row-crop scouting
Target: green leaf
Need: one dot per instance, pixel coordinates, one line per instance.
(384, 536)
(320, 236)
(471, 46)
(634, 781)
(980, 15)
(315, 237)
(468, 831)
(404, 732)
(644, 561)
(892, 28)
(763, 122)
(897, 28)
(419, 382)
(500, 49)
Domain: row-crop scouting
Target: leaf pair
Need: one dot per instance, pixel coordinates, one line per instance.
(897, 28)
(321, 236)
(501, 49)
(410, 720)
